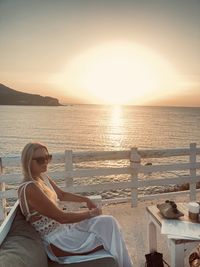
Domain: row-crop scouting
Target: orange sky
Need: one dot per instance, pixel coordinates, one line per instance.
(105, 52)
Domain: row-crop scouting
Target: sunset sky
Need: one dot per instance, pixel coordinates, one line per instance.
(143, 52)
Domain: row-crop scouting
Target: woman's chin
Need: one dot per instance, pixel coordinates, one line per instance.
(44, 169)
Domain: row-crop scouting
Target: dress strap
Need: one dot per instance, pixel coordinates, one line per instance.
(22, 192)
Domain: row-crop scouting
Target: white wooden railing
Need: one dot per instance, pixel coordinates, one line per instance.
(133, 170)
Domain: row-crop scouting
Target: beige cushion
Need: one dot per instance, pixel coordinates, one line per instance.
(23, 248)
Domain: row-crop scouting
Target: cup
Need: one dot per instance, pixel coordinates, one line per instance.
(193, 211)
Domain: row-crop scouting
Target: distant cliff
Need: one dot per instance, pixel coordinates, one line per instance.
(10, 96)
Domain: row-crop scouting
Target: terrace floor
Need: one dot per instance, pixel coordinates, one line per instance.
(133, 222)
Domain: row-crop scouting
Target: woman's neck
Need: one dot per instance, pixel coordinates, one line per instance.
(38, 177)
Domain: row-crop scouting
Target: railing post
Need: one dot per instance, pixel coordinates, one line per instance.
(68, 167)
(135, 160)
(192, 171)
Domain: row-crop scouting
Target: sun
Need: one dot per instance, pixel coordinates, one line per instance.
(120, 73)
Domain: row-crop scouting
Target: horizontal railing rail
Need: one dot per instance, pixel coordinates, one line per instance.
(64, 167)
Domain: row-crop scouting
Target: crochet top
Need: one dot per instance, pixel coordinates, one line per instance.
(44, 225)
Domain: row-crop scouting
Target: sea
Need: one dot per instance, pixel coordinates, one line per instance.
(97, 127)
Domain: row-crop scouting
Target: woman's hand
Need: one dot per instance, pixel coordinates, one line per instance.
(95, 212)
(90, 204)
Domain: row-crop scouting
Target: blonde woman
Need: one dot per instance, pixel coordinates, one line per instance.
(64, 233)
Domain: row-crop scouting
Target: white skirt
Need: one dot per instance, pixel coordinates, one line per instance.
(86, 235)
(74, 238)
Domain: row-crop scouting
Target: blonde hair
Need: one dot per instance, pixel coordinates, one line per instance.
(26, 157)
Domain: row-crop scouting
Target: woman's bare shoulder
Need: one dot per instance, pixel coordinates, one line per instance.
(30, 188)
(33, 186)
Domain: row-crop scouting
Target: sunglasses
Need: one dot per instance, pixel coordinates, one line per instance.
(42, 160)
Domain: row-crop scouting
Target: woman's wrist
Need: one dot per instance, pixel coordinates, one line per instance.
(91, 213)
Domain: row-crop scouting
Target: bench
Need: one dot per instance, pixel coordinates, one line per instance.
(22, 246)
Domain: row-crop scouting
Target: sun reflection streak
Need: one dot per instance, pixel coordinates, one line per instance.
(116, 115)
(116, 126)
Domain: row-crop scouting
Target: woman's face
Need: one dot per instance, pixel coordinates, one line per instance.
(39, 161)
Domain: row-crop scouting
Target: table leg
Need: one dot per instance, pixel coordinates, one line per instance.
(152, 237)
(177, 253)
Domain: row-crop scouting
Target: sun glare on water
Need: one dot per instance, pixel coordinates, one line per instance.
(120, 73)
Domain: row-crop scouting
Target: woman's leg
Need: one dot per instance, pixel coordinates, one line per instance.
(61, 253)
(108, 231)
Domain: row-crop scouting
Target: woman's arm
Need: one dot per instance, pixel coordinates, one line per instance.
(66, 196)
(38, 201)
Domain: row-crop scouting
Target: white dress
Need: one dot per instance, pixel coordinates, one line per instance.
(78, 237)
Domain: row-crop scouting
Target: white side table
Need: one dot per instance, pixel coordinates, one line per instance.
(177, 247)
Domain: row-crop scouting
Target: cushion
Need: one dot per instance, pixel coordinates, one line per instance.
(23, 248)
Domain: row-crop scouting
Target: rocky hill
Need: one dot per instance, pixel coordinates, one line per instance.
(10, 96)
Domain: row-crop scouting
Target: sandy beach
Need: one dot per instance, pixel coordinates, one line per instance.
(133, 222)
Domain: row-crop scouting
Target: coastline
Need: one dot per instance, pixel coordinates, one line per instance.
(9, 96)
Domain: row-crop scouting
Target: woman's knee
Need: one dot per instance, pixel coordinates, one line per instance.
(108, 219)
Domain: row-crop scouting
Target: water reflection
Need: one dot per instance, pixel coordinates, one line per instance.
(116, 115)
(115, 127)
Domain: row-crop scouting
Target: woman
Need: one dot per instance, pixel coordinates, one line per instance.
(64, 233)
